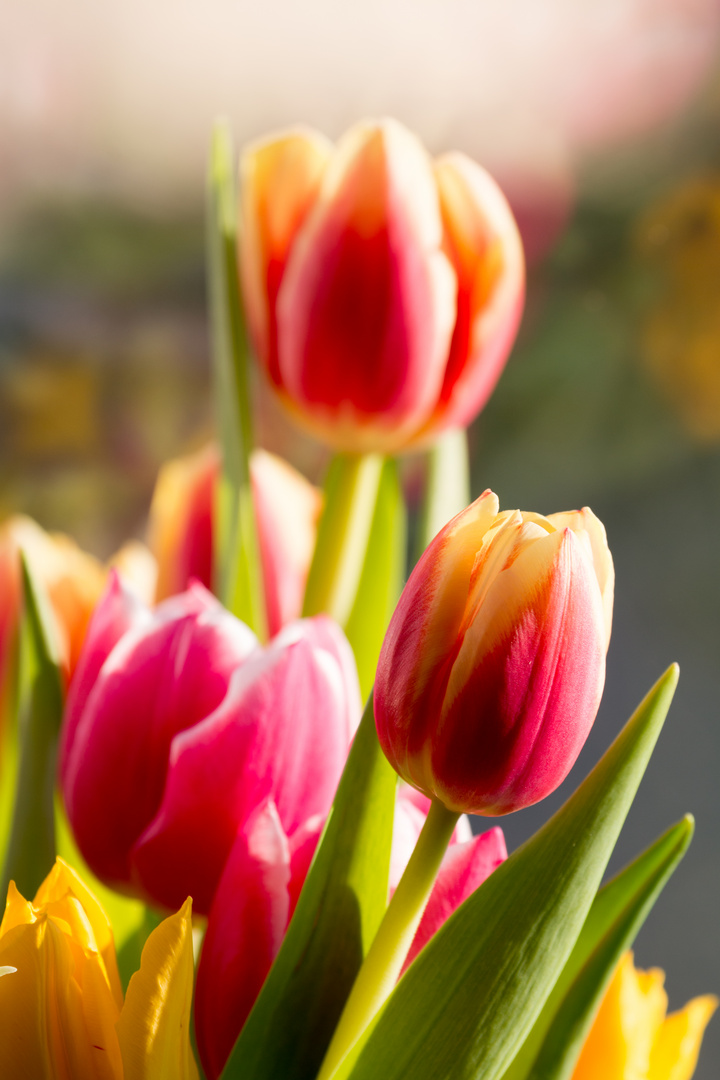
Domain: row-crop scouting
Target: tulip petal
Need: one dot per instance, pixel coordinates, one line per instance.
(154, 1025)
(426, 625)
(181, 515)
(287, 508)
(484, 246)
(247, 923)
(157, 681)
(675, 1053)
(463, 870)
(526, 684)
(279, 182)
(281, 732)
(117, 612)
(366, 306)
(584, 524)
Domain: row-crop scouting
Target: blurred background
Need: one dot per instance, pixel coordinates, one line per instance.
(602, 123)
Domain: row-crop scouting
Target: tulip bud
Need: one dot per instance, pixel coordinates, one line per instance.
(383, 290)
(287, 508)
(492, 668)
(178, 726)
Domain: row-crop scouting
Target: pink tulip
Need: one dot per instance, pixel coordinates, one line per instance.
(287, 508)
(383, 290)
(258, 892)
(180, 726)
(493, 665)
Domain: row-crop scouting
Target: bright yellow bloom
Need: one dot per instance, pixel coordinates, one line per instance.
(633, 1039)
(62, 1015)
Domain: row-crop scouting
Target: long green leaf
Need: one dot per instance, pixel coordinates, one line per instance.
(382, 576)
(550, 1052)
(339, 911)
(237, 554)
(31, 850)
(474, 993)
(447, 489)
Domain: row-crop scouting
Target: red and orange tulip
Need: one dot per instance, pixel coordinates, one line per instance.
(383, 290)
(493, 665)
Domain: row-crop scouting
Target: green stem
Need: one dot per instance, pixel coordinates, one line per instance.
(391, 944)
(447, 491)
(351, 491)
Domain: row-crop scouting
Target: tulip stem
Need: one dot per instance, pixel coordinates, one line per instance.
(351, 492)
(386, 956)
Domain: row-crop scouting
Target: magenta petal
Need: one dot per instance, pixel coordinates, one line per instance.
(158, 680)
(280, 733)
(118, 611)
(303, 844)
(247, 922)
(463, 870)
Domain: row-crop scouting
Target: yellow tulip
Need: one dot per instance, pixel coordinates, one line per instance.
(633, 1039)
(62, 1015)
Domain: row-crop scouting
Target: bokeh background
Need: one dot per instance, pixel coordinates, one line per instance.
(601, 121)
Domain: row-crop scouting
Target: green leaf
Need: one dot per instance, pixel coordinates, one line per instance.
(131, 920)
(382, 576)
(447, 489)
(237, 554)
(617, 913)
(338, 913)
(471, 997)
(9, 750)
(31, 850)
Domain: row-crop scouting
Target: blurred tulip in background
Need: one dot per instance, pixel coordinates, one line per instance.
(383, 291)
(287, 508)
(493, 665)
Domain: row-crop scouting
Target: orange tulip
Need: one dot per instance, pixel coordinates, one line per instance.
(383, 290)
(633, 1039)
(287, 509)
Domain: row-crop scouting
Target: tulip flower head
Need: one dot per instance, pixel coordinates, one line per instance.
(631, 1035)
(178, 726)
(492, 668)
(61, 1003)
(287, 508)
(383, 290)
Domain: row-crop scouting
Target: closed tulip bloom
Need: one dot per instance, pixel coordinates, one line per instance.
(287, 508)
(493, 665)
(632, 1038)
(383, 290)
(178, 726)
(258, 892)
(61, 1003)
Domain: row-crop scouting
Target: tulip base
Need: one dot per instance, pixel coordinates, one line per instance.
(386, 956)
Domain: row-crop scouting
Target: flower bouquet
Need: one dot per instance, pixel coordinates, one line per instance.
(236, 871)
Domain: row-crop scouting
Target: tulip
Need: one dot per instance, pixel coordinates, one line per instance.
(493, 665)
(61, 1002)
(633, 1039)
(179, 726)
(383, 290)
(72, 579)
(287, 508)
(258, 892)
